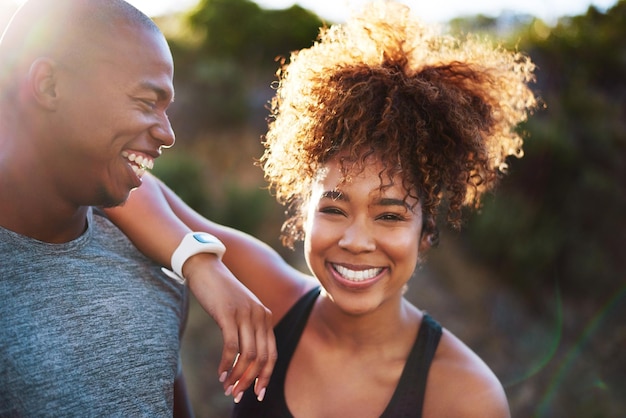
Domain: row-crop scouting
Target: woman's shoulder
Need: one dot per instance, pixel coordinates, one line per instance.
(460, 384)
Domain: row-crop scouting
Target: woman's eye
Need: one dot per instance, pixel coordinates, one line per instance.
(390, 217)
(331, 211)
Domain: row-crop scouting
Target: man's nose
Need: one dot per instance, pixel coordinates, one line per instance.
(163, 132)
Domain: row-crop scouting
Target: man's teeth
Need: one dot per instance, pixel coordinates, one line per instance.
(141, 163)
(139, 171)
(357, 275)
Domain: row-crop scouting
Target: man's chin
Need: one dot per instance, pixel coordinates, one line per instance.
(107, 200)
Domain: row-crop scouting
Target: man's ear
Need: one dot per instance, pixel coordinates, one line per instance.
(42, 82)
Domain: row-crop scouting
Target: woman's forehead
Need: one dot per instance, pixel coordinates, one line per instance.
(370, 174)
(346, 167)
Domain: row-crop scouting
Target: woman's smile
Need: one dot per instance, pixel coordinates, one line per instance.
(356, 279)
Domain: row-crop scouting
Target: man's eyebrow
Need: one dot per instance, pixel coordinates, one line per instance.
(162, 93)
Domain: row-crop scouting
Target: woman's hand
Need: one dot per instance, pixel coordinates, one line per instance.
(249, 348)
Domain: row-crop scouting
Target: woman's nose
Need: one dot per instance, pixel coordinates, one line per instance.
(357, 237)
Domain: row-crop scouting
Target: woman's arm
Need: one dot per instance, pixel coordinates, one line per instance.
(257, 265)
(156, 220)
(249, 350)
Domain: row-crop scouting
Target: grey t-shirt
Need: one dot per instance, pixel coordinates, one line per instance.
(89, 328)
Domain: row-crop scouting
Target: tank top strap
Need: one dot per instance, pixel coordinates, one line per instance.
(291, 326)
(287, 333)
(408, 398)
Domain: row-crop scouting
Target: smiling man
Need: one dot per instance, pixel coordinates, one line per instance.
(90, 327)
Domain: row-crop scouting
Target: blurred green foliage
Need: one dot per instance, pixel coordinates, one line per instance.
(226, 61)
(561, 214)
(241, 31)
(244, 208)
(184, 173)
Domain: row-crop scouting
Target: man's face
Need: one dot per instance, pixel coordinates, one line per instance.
(111, 122)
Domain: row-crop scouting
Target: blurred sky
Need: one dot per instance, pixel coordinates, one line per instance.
(430, 10)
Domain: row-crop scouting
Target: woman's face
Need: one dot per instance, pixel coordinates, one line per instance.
(362, 242)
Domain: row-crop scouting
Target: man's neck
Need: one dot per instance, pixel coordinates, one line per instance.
(30, 206)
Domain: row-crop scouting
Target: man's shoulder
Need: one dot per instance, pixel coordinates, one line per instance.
(105, 234)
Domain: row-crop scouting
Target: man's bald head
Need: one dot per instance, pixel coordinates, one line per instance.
(61, 29)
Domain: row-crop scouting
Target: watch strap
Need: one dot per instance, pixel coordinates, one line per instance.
(193, 243)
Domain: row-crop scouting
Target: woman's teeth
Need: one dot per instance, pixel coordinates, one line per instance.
(357, 275)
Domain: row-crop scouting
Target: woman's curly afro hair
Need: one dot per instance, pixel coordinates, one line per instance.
(440, 111)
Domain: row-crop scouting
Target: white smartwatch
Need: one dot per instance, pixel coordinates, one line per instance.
(193, 243)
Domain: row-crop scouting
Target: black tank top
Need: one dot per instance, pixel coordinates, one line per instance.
(407, 400)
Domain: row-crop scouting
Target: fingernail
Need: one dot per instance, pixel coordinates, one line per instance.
(223, 377)
(229, 390)
(238, 397)
(261, 395)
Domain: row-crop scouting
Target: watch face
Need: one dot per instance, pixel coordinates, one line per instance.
(205, 238)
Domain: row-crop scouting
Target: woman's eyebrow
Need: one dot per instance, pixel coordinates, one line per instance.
(334, 195)
(389, 201)
(385, 201)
